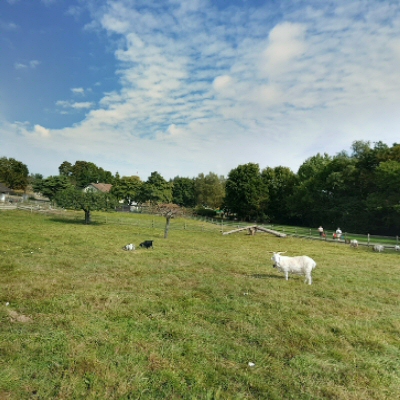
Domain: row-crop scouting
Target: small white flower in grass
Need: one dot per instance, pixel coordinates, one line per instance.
(251, 364)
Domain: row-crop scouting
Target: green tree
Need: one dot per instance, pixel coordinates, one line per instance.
(310, 199)
(75, 199)
(127, 188)
(246, 194)
(50, 186)
(65, 169)
(210, 190)
(82, 173)
(280, 182)
(156, 190)
(183, 192)
(13, 173)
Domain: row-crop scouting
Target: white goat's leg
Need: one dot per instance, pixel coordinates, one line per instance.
(287, 275)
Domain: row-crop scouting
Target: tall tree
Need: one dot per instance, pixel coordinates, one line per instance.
(246, 194)
(65, 169)
(210, 190)
(183, 192)
(280, 182)
(127, 188)
(13, 173)
(156, 190)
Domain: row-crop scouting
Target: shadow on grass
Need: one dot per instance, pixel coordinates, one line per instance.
(76, 222)
(264, 276)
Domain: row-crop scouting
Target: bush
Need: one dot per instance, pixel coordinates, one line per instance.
(205, 212)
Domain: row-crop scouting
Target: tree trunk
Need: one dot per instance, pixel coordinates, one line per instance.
(168, 220)
(87, 217)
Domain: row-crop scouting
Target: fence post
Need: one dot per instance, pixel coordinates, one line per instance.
(368, 239)
(397, 240)
(222, 225)
(310, 232)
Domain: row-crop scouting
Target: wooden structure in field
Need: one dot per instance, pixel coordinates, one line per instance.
(253, 230)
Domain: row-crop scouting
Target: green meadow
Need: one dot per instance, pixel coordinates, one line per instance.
(82, 319)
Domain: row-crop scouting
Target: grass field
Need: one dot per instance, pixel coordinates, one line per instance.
(82, 319)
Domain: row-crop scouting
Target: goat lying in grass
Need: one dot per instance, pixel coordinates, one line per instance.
(379, 248)
(300, 265)
(129, 247)
(147, 244)
(354, 243)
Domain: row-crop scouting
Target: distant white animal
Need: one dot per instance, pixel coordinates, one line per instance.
(129, 247)
(300, 265)
(397, 248)
(379, 248)
(354, 243)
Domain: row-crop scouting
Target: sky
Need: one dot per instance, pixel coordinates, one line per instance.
(188, 87)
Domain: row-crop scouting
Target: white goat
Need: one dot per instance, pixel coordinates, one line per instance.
(397, 248)
(378, 247)
(129, 247)
(300, 265)
(354, 243)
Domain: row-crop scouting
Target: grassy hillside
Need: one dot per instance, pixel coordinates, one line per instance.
(87, 320)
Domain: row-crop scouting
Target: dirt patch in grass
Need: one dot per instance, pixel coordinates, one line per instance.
(15, 317)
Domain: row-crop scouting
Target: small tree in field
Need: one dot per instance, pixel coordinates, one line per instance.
(75, 199)
(169, 211)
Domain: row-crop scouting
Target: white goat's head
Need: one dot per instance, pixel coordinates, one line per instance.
(276, 257)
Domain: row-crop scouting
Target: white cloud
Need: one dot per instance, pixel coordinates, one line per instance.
(20, 66)
(8, 26)
(222, 82)
(41, 131)
(286, 43)
(79, 90)
(82, 104)
(75, 105)
(32, 64)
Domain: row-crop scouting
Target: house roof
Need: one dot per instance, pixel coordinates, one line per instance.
(4, 188)
(102, 187)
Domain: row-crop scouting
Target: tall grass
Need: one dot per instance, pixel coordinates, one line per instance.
(87, 320)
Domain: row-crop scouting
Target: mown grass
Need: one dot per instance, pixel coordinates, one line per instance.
(182, 321)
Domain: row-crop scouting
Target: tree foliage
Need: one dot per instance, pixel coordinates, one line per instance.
(128, 189)
(156, 190)
(210, 190)
(183, 192)
(13, 173)
(75, 199)
(246, 193)
(82, 173)
(50, 186)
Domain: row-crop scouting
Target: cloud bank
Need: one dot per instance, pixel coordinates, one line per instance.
(206, 88)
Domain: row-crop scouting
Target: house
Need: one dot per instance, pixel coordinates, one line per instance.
(98, 187)
(4, 191)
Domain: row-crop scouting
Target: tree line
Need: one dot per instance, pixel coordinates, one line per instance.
(358, 191)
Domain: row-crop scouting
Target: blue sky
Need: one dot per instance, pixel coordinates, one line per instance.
(188, 87)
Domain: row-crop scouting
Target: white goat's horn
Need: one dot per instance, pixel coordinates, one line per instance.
(281, 252)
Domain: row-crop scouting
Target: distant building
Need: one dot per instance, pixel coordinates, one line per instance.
(98, 187)
(4, 192)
